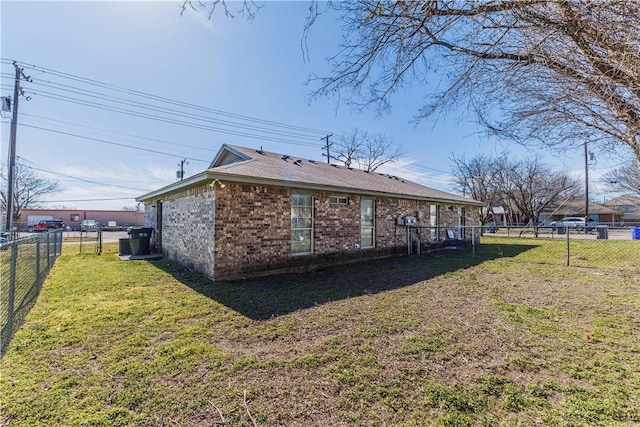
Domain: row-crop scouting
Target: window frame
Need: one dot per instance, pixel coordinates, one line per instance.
(369, 226)
(434, 221)
(338, 200)
(295, 206)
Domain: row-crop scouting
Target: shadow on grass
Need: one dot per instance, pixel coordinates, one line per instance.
(272, 296)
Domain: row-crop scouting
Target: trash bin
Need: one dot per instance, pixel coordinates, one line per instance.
(635, 233)
(603, 232)
(140, 238)
(124, 246)
(561, 228)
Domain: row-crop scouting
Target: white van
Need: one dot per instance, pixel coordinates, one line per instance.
(88, 225)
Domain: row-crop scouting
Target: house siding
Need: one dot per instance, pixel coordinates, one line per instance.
(244, 230)
(188, 228)
(253, 230)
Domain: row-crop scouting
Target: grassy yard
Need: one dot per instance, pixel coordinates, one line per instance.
(501, 339)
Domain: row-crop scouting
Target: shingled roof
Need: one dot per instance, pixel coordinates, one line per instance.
(245, 165)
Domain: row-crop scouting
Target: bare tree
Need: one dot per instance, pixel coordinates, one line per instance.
(626, 177)
(558, 72)
(478, 178)
(348, 147)
(367, 150)
(525, 187)
(30, 189)
(245, 8)
(531, 187)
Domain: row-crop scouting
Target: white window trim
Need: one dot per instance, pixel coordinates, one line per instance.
(372, 227)
(310, 229)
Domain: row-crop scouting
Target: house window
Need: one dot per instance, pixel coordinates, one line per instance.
(301, 224)
(334, 200)
(434, 220)
(367, 225)
(461, 222)
(74, 217)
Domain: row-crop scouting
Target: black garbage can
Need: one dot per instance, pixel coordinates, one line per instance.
(603, 231)
(125, 246)
(140, 238)
(561, 228)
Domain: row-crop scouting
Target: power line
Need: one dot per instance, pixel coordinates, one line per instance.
(118, 133)
(159, 109)
(163, 99)
(88, 200)
(166, 120)
(112, 143)
(77, 178)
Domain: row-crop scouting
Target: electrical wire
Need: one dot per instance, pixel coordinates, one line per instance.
(113, 143)
(164, 100)
(118, 133)
(158, 109)
(77, 178)
(166, 120)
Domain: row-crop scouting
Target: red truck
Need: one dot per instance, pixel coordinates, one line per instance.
(48, 225)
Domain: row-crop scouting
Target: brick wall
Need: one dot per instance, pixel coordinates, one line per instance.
(253, 230)
(188, 221)
(245, 230)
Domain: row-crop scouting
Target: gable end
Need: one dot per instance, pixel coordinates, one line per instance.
(227, 156)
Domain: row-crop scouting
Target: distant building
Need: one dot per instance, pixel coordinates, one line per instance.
(73, 217)
(575, 208)
(628, 205)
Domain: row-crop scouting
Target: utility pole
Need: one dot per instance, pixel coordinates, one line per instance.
(180, 173)
(11, 181)
(586, 188)
(326, 147)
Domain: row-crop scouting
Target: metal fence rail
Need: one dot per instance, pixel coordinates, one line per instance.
(24, 264)
(608, 247)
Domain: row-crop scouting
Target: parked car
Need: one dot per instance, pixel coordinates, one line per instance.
(48, 224)
(574, 222)
(88, 225)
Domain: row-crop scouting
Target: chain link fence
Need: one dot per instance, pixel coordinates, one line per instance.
(598, 247)
(24, 264)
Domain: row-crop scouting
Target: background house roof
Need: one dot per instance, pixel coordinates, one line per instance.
(575, 207)
(625, 199)
(241, 164)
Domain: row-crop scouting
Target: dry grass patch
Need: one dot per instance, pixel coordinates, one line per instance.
(441, 340)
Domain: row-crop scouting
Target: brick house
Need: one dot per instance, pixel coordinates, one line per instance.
(254, 213)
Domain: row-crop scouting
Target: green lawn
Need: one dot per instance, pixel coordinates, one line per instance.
(506, 338)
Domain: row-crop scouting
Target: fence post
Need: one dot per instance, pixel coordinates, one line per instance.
(473, 242)
(567, 228)
(38, 261)
(11, 297)
(48, 252)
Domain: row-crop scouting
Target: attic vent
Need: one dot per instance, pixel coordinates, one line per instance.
(260, 151)
(312, 161)
(285, 157)
(335, 200)
(298, 162)
(228, 157)
(335, 166)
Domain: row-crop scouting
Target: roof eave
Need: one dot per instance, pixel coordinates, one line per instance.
(209, 175)
(192, 181)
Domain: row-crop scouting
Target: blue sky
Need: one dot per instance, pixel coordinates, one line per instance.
(250, 73)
